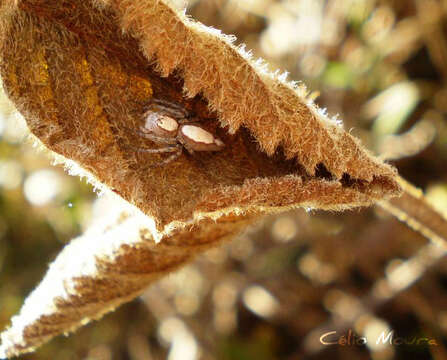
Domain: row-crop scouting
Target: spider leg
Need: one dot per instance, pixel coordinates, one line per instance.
(170, 105)
(171, 158)
(177, 150)
(174, 113)
(174, 110)
(188, 120)
(168, 149)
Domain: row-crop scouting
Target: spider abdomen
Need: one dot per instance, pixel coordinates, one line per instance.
(195, 138)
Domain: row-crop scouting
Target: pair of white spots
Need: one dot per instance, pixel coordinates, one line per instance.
(196, 136)
(167, 123)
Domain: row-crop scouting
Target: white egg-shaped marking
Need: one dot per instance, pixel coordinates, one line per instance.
(167, 123)
(197, 134)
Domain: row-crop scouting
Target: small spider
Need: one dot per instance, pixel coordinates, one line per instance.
(167, 123)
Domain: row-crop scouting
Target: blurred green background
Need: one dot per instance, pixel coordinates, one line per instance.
(381, 67)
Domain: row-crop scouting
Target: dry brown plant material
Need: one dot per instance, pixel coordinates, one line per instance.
(82, 72)
(112, 263)
(413, 209)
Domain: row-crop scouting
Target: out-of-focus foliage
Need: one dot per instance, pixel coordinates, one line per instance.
(382, 66)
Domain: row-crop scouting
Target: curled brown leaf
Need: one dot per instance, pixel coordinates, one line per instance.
(112, 263)
(82, 73)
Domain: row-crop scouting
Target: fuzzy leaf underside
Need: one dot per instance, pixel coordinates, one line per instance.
(81, 83)
(82, 73)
